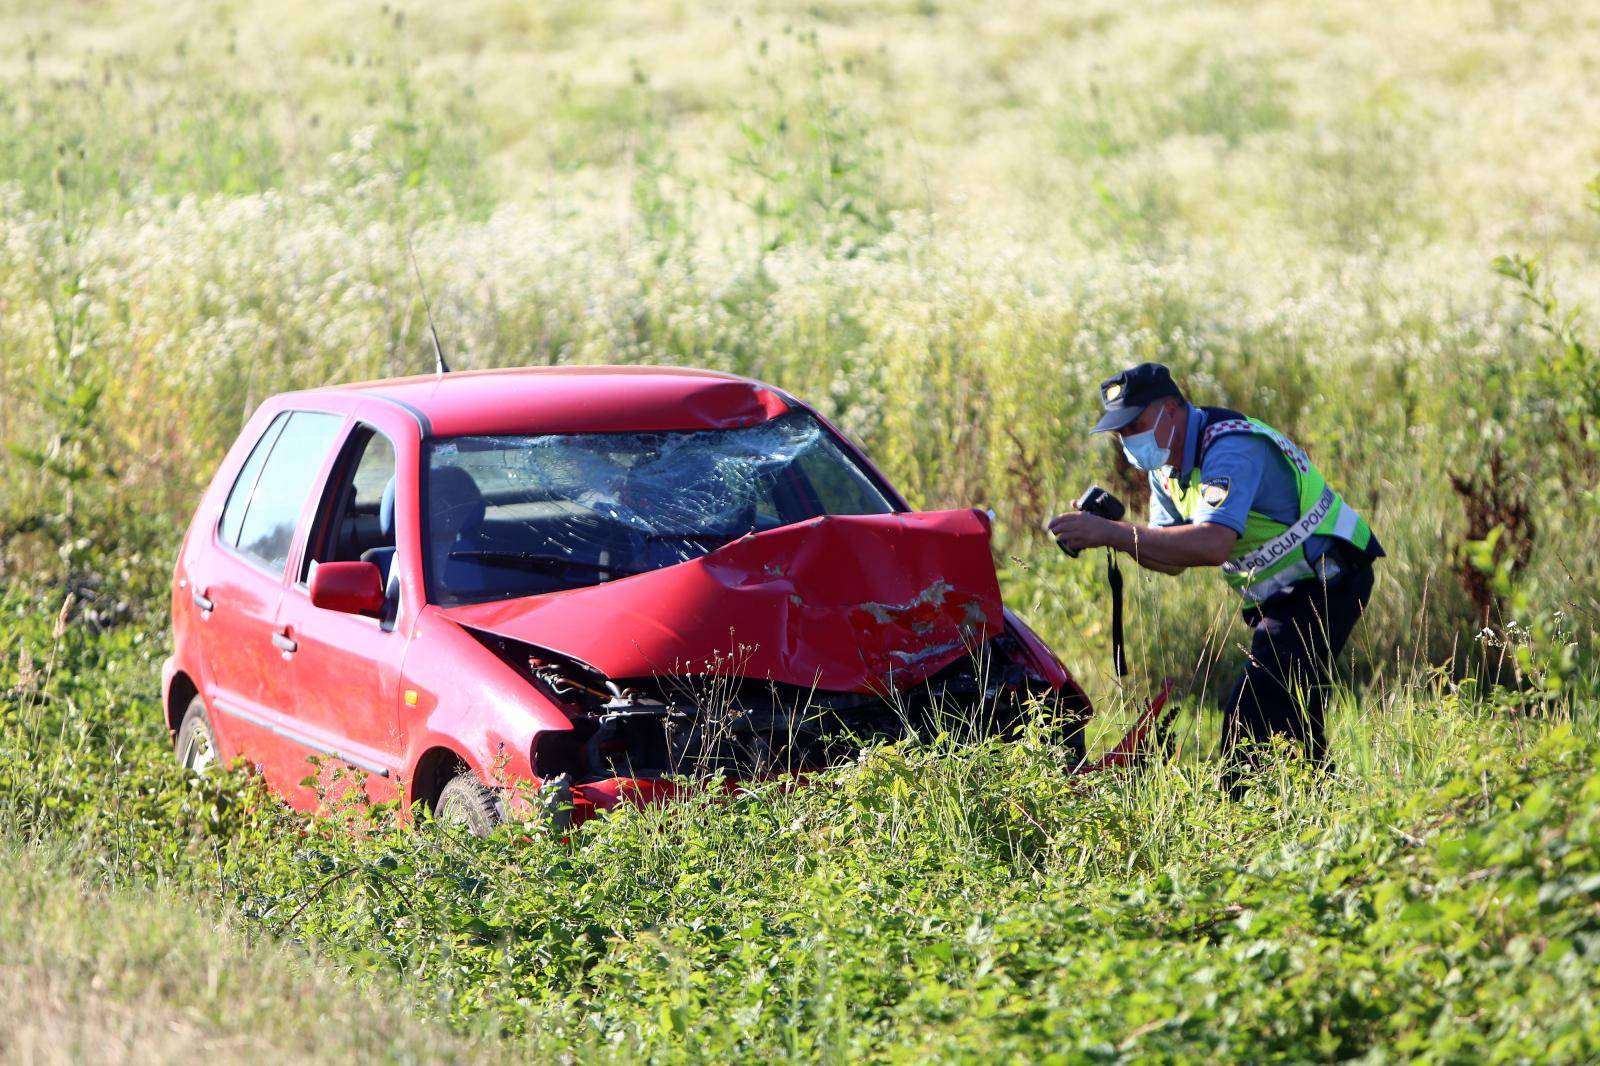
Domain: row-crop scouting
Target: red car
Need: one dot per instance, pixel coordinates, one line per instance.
(591, 580)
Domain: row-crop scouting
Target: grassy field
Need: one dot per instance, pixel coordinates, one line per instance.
(153, 974)
(1372, 225)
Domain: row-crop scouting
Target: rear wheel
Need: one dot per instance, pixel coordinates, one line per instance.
(196, 746)
(471, 804)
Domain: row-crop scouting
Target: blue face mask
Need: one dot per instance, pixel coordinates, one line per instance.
(1143, 451)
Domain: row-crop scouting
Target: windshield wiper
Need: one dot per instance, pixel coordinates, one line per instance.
(542, 561)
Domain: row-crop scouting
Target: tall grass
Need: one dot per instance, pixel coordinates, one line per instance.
(152, 976)
(943, 225)
(1433, 895)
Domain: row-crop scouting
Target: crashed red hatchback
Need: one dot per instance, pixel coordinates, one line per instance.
(593, 581)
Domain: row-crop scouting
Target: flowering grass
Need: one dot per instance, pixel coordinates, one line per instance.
(943, 225)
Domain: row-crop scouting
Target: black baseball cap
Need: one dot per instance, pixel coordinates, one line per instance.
(1127, 394)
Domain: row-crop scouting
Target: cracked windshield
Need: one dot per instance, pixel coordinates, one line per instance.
(523, 515)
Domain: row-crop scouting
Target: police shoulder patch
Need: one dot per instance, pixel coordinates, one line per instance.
(1214, 491)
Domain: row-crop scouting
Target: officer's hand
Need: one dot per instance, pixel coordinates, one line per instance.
(1079, 530)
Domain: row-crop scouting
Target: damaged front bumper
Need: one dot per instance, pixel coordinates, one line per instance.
(782, 652)
(640, 740)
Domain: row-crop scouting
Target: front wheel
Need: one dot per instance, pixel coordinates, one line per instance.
(470, 803)
(196, 746)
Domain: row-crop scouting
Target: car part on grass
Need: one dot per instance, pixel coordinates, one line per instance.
(1147, 731)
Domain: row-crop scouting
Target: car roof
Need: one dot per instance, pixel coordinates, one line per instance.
(579, 399)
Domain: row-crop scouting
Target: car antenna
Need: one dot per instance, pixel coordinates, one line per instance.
(439, 365)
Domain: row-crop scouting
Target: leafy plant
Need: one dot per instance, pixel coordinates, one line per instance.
(1565, 383)
(810, 160)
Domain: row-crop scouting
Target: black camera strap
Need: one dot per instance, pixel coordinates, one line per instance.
(1119, 658)
(1097, 501)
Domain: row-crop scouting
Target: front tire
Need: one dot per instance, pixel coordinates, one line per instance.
(196, 746)
(471, 804)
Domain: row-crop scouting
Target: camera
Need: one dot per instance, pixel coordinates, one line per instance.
(1097, 501)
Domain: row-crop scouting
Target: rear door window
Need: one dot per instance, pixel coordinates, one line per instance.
(245, 484)
(276, 496)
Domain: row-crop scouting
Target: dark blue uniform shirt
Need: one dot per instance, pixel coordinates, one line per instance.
(1250, 469)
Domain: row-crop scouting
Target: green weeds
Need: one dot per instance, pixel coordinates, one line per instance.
(930, 241)
(1435, 897)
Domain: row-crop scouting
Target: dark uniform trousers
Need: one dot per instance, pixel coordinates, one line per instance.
(1284, 688)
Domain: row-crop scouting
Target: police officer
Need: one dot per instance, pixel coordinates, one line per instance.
(1230, 491)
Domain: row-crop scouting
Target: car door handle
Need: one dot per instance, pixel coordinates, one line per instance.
(283, 642)
(202, 601)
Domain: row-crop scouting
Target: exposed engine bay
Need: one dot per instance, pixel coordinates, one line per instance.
(722, 724)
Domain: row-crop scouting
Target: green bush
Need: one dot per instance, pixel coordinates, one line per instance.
(927, 900)
(944, 238)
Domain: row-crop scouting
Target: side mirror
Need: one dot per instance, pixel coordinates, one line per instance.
(354, 588)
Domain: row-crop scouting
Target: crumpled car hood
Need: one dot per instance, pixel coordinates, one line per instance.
(846, 603)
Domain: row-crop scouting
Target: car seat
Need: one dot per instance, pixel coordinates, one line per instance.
(455, 511)
(383, 555)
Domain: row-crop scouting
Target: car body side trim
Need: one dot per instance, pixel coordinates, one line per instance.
(422, 419)
(302, 739)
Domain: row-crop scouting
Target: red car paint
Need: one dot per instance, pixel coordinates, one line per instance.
(839, 604)
(854, 603)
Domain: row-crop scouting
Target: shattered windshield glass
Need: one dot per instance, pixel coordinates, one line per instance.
(523, 515)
